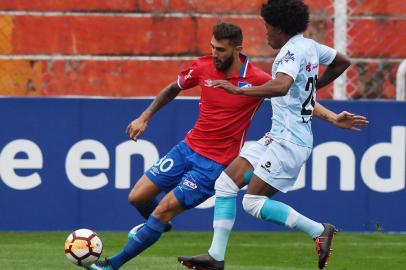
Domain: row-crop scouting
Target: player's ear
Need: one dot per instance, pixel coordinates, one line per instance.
(238, 48)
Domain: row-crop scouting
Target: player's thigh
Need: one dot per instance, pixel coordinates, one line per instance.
(197, 184)
(254, 151)
(167, 171)
(259, 187)
(280, 165)
(237, 170)
(168, 208)
(143, 191)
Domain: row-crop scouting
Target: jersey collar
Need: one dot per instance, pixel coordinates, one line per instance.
(296, 37)
(243, 70)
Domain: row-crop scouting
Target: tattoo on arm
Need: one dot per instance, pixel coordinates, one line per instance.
(164, 97)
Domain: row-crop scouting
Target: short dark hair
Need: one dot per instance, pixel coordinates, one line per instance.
(291, 16)
(228, 31)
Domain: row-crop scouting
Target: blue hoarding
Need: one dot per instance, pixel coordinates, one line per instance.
(67, 163)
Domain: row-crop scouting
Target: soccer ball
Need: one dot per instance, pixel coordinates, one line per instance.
(83, 247)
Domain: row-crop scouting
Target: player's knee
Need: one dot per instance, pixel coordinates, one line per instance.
(134, 199)
(225, 186)
(131, 198)
(168, 208)
(252, 204)
(160, 210)
(163, 211)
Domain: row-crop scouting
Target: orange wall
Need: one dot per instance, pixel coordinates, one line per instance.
(167, 28)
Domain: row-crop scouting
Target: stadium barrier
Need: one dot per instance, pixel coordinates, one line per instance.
(71, 47)
(67, 163)
(401, 81)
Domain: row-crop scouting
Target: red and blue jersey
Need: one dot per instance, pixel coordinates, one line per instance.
(221, 127)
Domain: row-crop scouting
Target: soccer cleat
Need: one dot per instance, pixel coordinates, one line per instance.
(168, 227)
(101, 265)
(134, 230)
(323, 244)
(201, 262)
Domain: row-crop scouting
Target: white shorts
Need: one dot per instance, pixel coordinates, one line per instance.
(277, 163)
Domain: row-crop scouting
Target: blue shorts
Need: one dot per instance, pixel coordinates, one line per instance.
(190, 175)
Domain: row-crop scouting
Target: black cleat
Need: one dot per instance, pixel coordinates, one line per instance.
(323, 244)
(201, 262)
(168, 227)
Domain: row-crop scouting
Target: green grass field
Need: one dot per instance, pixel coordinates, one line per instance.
(251, 251)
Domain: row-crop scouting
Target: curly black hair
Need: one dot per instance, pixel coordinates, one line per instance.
(228, 31)
(291, 16)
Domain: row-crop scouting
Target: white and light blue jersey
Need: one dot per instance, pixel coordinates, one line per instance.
(300, 59)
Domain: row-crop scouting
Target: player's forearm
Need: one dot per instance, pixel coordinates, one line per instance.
(323, 113)
(273, 88)
(164, 97)
(334, 70)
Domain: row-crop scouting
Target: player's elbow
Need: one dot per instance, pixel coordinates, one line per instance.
(346, 63)
(282, 83)
(284, 90)
(342, 61)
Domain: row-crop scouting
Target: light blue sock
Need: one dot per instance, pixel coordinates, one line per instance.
(143, 239)
(248, 176)
(283, 214)
(224, 217)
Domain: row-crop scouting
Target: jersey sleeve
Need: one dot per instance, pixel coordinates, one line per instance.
(189, 77)
(326, 54)
(289, 62)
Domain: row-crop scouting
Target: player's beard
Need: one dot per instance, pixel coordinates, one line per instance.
(223, 65)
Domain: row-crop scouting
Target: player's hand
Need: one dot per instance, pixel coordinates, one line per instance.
(226, 85)
(136, 128)
(350, 121)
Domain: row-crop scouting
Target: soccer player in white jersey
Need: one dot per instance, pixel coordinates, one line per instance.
(279, 155)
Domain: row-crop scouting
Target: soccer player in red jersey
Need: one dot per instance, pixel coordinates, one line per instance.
(187, 173)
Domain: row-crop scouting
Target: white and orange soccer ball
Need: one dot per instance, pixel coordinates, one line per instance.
(83, 247)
